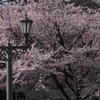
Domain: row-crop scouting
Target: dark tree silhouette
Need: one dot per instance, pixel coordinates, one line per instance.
(2, 65)
(21, 95)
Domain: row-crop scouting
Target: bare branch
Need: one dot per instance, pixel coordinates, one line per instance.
(59, 86)
(89, 94)
(59, 36)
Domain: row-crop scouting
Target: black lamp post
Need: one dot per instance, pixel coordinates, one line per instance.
(25, 27)
(9, 53)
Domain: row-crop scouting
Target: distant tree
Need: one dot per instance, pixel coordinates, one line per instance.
(88, 3)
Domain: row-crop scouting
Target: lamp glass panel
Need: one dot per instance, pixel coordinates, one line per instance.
(23, 27)
(28, 26)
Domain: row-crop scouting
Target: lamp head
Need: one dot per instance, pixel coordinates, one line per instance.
(26, 25)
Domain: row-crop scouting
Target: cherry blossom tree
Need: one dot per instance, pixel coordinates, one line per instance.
(65, 47)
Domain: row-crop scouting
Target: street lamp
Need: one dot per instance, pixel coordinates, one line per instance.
(25, 27)
(9, 53)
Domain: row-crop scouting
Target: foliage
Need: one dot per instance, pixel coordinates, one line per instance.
(65, 47)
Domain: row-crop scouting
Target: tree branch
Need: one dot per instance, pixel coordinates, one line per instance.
(59, 86)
